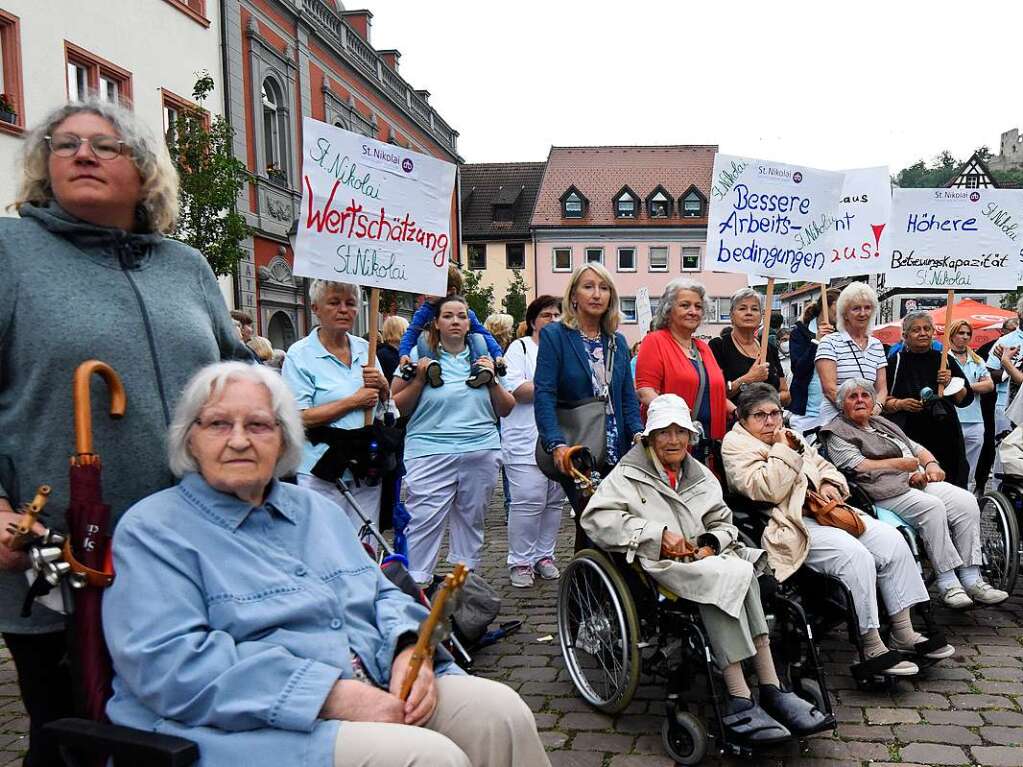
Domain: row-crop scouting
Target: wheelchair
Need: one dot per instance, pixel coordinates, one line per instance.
(615, 625)
(1001, 515)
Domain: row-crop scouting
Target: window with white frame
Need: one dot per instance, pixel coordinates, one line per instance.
(77, 82)
(573, 206)
(88, 74)
(515, 255)
(626, 259)
(627, 305)
(477, 256)
(719, 309)
(692, 205)
(625, 205)
(659, 205)
(275, 130)
(594, 255)
(690, 259)
(109, 90)
(562, 259)
(659, 258)
(170, 121)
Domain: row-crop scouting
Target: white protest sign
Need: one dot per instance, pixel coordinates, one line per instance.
(373, 214)
(856, 243)
(643, 311)
(956, 239)
(770, 219)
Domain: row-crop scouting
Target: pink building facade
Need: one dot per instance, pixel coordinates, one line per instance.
(642, 213)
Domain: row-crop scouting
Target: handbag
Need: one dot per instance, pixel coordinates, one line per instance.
(833, 513)
(582, 422)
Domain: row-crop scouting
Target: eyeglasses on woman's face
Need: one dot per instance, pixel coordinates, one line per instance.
(223, 426)
(763, 416)
(103, 147)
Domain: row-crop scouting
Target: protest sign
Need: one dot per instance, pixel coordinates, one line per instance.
(373, 214)
(771, 219)
(856, 243)
(643, 311)
(956, 239)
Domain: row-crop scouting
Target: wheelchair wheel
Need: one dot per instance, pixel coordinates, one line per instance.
(999, 541)
(684, 737)
(599, 631)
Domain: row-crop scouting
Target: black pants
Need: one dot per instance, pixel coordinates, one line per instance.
(44, 678)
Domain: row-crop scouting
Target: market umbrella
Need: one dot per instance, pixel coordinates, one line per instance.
(87, 549)
(985, 320)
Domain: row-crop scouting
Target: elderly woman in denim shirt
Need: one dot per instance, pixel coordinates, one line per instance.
(247, 617)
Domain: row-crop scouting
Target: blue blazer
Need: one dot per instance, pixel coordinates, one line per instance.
(563, 375)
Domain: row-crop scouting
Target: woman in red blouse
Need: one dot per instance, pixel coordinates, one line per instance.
(672, 361)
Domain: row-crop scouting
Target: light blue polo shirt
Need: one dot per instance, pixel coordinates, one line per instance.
(452, 418)
(974, 371)
(316, 377)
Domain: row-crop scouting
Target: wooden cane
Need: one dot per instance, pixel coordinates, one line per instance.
(428, 629)
(768, 302)
(824, 305)
(374, 326)
(948, 336)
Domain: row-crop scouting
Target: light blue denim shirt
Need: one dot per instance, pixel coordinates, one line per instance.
(317, 377)
(228, 624)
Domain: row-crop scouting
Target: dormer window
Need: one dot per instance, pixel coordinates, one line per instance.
(658, 204)
(573, 203)
(626, 204)
(693, 203)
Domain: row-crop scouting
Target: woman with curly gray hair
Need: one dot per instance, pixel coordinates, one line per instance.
(89, 273)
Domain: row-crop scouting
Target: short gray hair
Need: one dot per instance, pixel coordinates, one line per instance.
(854, 291)
(157, 207)
(319, 288)
(911, 317)
(663, 317)
(854, 384)
(207, 385)
(751, 395)
(742, 294)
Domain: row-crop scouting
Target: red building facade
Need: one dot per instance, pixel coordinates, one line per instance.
(285, 59)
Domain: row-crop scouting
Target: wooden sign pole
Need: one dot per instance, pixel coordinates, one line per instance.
(374, 327)
(768, 303)
(823, 319)
(948, 328)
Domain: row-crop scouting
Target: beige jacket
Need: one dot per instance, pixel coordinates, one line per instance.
(632, 508)
(780, 475)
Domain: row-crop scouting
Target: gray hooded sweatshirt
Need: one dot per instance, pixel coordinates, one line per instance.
(70, 291)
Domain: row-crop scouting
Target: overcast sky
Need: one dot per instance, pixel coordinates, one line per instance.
(828, 84)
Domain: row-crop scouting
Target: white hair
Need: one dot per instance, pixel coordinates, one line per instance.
(854, 384)
(741, 295)
(663, 317)
(853, 293)
(919, 314)
(207, 385)
(319, 288)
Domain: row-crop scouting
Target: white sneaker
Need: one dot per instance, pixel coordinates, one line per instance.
(986, 594)
(546, 569)
(956, 598)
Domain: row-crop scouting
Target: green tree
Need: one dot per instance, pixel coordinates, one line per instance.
(211, 180)
(514, 301)
(920, 175)
(480, 298)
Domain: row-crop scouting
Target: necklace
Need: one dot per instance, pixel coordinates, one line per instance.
(595, 337)
(742, 346)
(689, 350)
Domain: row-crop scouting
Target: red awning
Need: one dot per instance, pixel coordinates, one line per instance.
(985, 320)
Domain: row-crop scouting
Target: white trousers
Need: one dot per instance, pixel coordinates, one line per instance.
(535, 515)
(947, 519)
(878, 558)
(367, 497)
(973, 437)
(453, 488)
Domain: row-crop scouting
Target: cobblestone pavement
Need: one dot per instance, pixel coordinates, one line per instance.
(967, 710)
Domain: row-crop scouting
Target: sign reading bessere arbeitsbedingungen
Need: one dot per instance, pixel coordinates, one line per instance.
(955, 239)
(373, 214)
(771, 219)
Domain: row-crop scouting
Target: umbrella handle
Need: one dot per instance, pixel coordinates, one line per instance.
(83, 404)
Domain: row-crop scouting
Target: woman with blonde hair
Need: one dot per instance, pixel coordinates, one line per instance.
(391, 331)
(502, 328)
(580, 358)
(262, 347)
(88, 263)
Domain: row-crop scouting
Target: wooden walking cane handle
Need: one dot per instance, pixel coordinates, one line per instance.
(425, 643)
(83, 404)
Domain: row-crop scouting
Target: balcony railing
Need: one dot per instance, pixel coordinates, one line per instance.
(335, 30)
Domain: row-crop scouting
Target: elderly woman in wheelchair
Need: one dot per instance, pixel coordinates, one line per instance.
(808, 524)
(904, 477)
(247, 617)
(664, 510)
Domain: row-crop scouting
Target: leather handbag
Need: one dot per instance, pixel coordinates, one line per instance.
(833, 513)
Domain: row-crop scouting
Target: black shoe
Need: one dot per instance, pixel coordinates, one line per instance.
(407, 371)
(501, 369)
(800, 716)
(748, 723)
(478, 376)
(433, 374)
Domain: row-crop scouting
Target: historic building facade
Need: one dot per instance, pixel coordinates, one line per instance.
(286, 59)
(641, 211)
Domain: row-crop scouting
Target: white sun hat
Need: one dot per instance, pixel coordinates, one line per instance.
(668, 409)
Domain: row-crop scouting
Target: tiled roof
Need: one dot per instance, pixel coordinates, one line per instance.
(599, 172)
(503, 183)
